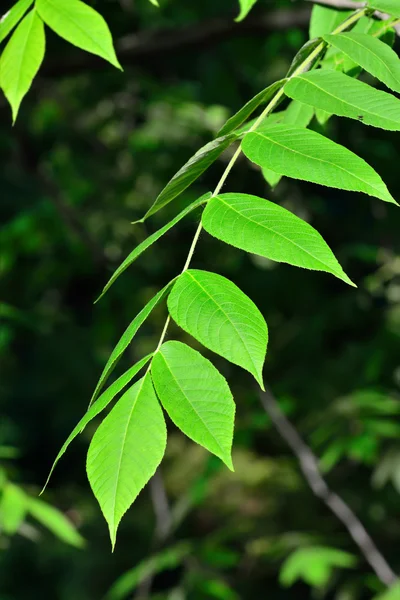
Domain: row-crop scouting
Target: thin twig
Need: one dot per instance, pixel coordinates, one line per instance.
(309, 465)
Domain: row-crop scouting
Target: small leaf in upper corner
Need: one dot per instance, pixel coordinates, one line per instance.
(220, 316)
(21, 60)
(13, 17)
(392, 7)
(126, 450)
(196, 397)
(344, 96)
(80, 25)
(245, 8)
(306, 155)
(264, 228)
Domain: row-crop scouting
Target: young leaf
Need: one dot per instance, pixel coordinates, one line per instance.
(13, 507)
(220, 316)
(55, 521)
(80, 25)
(196, 397)
(101, 403)
(261, 227)
(244, 113)
(21, 60)
(191, 171)
(127, 337)
(371, 54)
(245, 8)
(302, 56)
(392, 7)
(325, 19)
(307, 155)
(13, 17)
(151, 239)
(126, 450)
(341, 95)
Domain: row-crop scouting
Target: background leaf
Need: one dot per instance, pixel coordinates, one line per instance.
(196, 397)
(264, 228)
(13, 507)
(220, 316)
(325, 19)
(307, 155)
(21, 60)
(391, 7)
(55, 521)
(80, 25)
(126, 450)
(245, 8)
(12, 17)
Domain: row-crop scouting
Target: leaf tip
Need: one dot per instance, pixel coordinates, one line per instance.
(138, 221)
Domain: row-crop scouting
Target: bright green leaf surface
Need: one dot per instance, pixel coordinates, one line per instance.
(261, 227)
(307, 155)
(371, 54)
(101, 403)
(244, 113)
(392, 594)
(80, 25)
(392, 7)
(55, 521)
(127, 337)
(314, 565)
(245, 8)
(196, 397)
(21, 60)
(151, 239)
(325, 19)
(12, 17)
(126, 450)
(13, 506)
(341, 95)
(191, 171)
(220, 316)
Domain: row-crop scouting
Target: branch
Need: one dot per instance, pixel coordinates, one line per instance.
(309, 466)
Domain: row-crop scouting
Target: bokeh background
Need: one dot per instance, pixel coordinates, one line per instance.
(91, 149)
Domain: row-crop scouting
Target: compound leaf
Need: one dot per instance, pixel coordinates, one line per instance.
(371, 54)
(80, 25)
(307, 155)
(220, 316)
(344, 96)
(126, 450)
(196, 397)
(262, 227)
(13, 17)
(21, 60)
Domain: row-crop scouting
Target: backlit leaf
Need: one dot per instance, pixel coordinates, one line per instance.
(307, 155)
(264, 228)
(220, 316)
(80, 25)
(245, 8)
(21, 60)
(55, 521)
(196, 397)
(341, 95)
(126, 450)
(13, 17)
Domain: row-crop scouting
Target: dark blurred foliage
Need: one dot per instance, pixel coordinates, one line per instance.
(89, 152)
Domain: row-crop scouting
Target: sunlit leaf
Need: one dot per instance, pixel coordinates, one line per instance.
(196, 397)
(13, 507)
(13, 17)
(325, 19)
(392, 7)
(245, 8)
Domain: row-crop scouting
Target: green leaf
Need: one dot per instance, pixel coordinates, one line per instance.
(21, 60)
(392, 7)
(13, 17)
(55, 521)
(126, 450)
(325, 19)
(303, 54)
(314, 565)
(101, 403)
(371, 54)
(309, 156)
(13, 506)
(220, 316)
(245, 8)
(392, 594)
(155, 3)
(151, 239)
(80, 25)
(127, 337)
(191, 171)
(196, 397)
(341, 95)
(271, 177)
(264, 228)
(244, 113)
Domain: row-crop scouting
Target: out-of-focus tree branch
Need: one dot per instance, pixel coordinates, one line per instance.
(309, 465)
